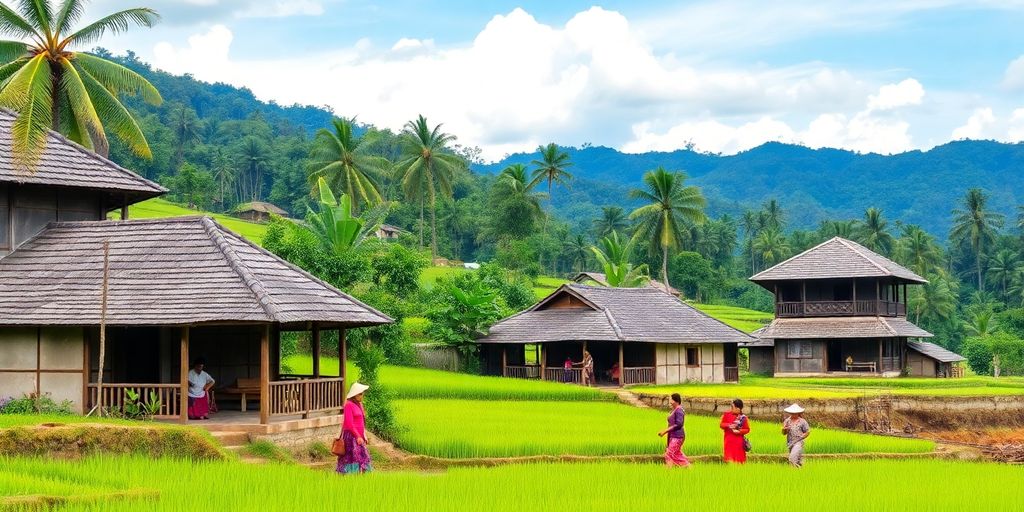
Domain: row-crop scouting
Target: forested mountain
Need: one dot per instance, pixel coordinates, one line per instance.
(917, 187)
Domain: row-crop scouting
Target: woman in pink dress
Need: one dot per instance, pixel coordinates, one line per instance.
(353, 434)
(674, 455)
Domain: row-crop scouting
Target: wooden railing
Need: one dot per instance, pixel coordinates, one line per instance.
(305, 396)
(732, 374)
(522, 372)
(574, 375)
(115, 395)
(637, 375)
(840, 308)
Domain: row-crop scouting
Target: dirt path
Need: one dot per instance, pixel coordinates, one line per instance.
(627, 397)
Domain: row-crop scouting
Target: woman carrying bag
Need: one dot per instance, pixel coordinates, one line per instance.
(353, 455)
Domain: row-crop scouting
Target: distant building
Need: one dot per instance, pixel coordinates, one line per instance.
(388, 232)
(258, 211)
(599, 279)
(841, 309)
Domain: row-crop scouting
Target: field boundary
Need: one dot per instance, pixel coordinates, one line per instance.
(47, 501)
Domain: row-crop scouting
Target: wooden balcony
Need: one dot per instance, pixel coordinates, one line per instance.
(840, 308)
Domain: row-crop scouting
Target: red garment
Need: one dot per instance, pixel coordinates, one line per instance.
(198, 408)
(734, 442)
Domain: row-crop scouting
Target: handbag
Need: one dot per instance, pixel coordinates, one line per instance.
(746, 442)
(338, 447)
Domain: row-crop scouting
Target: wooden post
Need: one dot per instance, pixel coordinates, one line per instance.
(878, 297)
(103, 329)
(265, 375)
(86, 342)
(543, 363)
(855, 295)
(504, 361)
(183, 400)
(342, 356)
(803, 298)
(124, 207)
(622, 368)
(316, 351)
(879, 368)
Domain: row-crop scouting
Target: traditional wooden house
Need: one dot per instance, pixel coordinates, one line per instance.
(839, 308)
(653, 337)
(177, 288)
(388, 232)
(258, 211)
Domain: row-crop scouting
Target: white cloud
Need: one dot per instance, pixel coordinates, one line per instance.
(407, 44)
(281, 8)
(891, 96)
(1013, 77)
(205, 56)
(709, 135)
(1015, 133)
(978, 126)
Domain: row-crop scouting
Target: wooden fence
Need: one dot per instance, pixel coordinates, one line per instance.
(574, 375)
(523, 372)
(638, 375)
(306, 396)
(115, 395)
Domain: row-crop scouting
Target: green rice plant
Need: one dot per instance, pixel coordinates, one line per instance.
(469, 429)
(407, 382)
(834, 485)
(745, 391)
(265, 449)
(794, 388)
(162, 208)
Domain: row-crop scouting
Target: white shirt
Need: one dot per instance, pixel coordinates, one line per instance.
(197, 383)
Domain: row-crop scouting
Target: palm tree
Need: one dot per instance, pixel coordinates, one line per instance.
(72, 92)
(982, 323)
(613, 218)
(427, 168)
(934, 301)
(551, 167)
(613, 256)
(334, 224)
(750, 227)
(578, 249)
(672, 205)
(774, 217)
(833, 228)
(345, 161)
(873, 232)
(918, 250)
(223, 174)
(252, 161)
(975, 225)
(772, 246)
(186, 130)
(513, 184)
(1002, 266)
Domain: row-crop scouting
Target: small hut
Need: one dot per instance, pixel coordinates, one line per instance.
(926, 359)
(258, 211)
(653, 338)
(388, 232)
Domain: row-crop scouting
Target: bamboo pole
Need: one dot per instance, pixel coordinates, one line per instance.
(183, 375)
(265, 375)
(103, 324)
(316, 351)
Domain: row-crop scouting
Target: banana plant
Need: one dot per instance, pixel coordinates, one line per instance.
(613, 255)
(338, 230)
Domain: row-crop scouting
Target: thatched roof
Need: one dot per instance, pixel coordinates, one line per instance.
(66, 164)
(836, 258)
(176, 271)
(599, 278)
(262, 207)
(611, 314)
(935, 352)
(840, 327)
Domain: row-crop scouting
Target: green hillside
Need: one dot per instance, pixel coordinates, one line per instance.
(160, 208)
(746, 320)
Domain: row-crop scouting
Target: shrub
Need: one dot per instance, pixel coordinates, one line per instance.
(397, 269)
(391, 338)
(463, 314)
(380, 415)
(34, 404)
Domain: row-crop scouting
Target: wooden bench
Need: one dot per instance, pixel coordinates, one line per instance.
(870, 365)
(243, 387)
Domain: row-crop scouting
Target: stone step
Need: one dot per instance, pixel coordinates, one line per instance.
(231, 439)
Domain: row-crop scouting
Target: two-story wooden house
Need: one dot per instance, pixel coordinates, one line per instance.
(842, 308)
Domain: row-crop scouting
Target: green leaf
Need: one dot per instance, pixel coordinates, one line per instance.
(117, 78)
(116, 23)
(115, 117)
(28, 94)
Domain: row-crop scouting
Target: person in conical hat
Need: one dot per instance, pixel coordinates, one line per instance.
(796, 429)
(353, 433)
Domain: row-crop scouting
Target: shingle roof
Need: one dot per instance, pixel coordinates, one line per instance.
(261, 206)
(65, 163)
(836, 258)
(613, 314)
(935, 352)
(841, 327)
(599, 278)
(163, 272)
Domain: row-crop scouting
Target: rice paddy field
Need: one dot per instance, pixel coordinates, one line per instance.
(746, 320)
(470, 429)
(161, 208)
(175, 485)
(756, 387)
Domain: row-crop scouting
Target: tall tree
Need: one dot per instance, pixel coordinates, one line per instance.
(1002, 266)
(772, 246)
(252, 162)
(427, 168)
(774, 217)
(833, 228)
(918, 250)
(578, 249)
(671, 206)
(982, 323)
(223, 174)
(750, 227)
(551, 169)
(873, 232)
(975, 225)
(934, 301)
(613, 218)
(51, 86)
(186, 130)
(347, 163)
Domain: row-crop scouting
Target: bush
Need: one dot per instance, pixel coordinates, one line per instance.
(302, 248)
(34, 404)
(397, 269)
(380, 415)
(983, 352)
(391, 338)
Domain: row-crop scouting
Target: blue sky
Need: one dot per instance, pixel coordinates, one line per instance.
(871, 76)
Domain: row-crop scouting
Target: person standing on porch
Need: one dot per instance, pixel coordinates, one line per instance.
(353, 433)
(199, 384)
(796, 429)
(588, 369)
(567, 370)
(736, 426)
(674, 455)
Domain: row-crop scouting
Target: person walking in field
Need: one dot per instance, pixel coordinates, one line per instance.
(796, 429)
(356, 458)
(674, 455)
(736, 426)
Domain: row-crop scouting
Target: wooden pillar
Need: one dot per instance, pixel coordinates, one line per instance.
(622, 367)
(316, 351)
(803, 297)
(878, 297)
(855, 294)
(342, 355)
(124, 207)
(504, 361)
(543, 363)
(265, 375)
(86, 341)
(183, 402)
(879, 368)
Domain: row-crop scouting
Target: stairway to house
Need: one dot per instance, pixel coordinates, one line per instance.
(235, 442)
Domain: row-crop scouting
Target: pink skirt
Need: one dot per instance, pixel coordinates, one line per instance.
(674, 453)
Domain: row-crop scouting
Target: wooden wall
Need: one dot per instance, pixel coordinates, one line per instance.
(47, 360)
(921, 366)
(671, 365)
(26, 209)
(814, 363)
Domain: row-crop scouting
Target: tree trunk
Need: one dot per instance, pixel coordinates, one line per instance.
(421, 222)
(103, 325)
(664, 267)
(433, 224)
(977, 263)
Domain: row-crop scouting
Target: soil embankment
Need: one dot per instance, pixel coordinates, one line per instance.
(81, 439)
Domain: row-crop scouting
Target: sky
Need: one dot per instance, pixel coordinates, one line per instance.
(722, 77)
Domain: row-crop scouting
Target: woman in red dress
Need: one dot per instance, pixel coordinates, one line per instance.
(736, 426)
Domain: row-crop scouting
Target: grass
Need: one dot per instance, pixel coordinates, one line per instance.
(21, 420)
(265, 449)
(405, 382)
(467, 429)
(932, 485)
(757, 387)
(430, 275)
(161, 208)
(746, 320)
(543, 286)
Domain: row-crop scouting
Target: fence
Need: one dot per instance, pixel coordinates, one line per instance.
(306, 396)
(115, 395)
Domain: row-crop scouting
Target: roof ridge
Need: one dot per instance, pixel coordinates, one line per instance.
(614, 324)
(154, 220)
(885, 323)
(791, 258)
(248, 278)
(865, 256)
